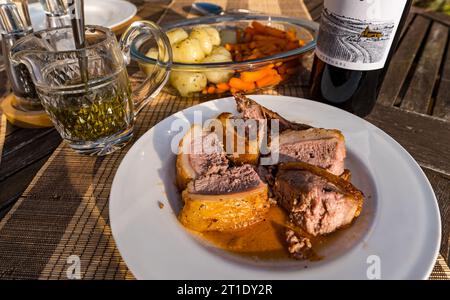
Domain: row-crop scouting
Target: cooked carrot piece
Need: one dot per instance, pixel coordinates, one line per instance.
(250, 30)
(211, 90)
(244, 47)
(260, 28)
(257, 75)
(241, 85)
(268, 81)
(260, 37)
(275, 32)
(291, 35)
(256, 44)
(223, 86)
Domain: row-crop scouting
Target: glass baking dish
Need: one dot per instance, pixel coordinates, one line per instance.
(306, 31)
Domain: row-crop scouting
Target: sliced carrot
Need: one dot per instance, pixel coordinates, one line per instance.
(223, 86)
(249, 30)
(291, 35)
(269, 48)
(241, 85)
(260, 28)
(244, 47)
(211, 90)
(268, 38)
(247, 37)
(256, 44)
(268, 80)
(220, 91)
(255, 75)
(275, 32)
(233, 90)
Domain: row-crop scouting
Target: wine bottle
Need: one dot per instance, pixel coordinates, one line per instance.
(355, 43)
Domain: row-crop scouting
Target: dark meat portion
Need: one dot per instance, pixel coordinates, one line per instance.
(324, 148)
(211, 157)
(250, 109)
(318, 201)
(233, 180)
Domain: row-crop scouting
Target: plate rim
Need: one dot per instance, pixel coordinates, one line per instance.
(435, 205)
(131, 6)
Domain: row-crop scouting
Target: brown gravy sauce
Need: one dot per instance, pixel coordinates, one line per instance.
(265, 240)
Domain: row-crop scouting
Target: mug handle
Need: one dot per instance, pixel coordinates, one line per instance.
(155, 81)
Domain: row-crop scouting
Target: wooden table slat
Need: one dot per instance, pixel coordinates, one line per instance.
(437, 16)
(442, 106)
(29, 154)
(408, 22)
(426, 138)
(402, 61)
(418, 98)
(441, 187)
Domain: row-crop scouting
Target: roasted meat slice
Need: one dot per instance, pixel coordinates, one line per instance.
(244, 148)
(318, 201)
(250, 109)
(199, 153)
(320, 147)
(225, 201)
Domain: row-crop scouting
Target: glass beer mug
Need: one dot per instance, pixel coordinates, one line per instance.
(93, 110)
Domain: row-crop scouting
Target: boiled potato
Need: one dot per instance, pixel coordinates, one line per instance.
(222, 51)
(176, 35)
(148, 68)
(204, 38)
(188, 51)
(187, 82)
(217, 76)
(153, 53)
(213, 33)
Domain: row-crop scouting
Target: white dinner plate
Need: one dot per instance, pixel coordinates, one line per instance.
(397, 236)
(107, 13)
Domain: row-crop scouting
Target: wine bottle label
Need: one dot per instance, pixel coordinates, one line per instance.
(358, 34)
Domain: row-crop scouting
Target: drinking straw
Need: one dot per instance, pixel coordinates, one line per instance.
(76, 13)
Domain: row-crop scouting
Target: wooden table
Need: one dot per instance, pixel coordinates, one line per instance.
(413, 107)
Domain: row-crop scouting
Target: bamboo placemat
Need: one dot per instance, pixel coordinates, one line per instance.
(3, 123)
(63, 214)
